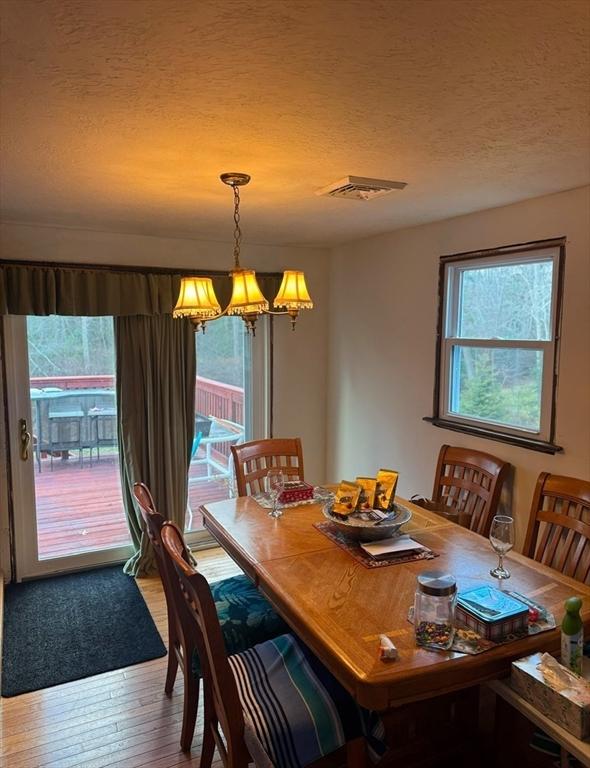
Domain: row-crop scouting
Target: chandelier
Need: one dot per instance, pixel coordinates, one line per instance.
(197, 299)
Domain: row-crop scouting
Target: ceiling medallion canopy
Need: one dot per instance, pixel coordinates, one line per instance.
(197, 299)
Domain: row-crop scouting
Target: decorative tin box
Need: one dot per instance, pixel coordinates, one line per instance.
(492, 613)
(555, 691)
(296, 490)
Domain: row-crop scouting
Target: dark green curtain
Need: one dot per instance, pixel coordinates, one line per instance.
(49, 290)
(156, 372)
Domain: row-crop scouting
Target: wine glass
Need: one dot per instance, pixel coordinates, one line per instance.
(275, 483)
(502, 541)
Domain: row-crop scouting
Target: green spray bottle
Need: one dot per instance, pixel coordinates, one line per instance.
(572, 635)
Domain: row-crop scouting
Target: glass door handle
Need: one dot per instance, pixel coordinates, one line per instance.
(25, 440)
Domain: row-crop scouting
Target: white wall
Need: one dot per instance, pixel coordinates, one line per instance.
(299, 399)
(366, 353)
(383, 303)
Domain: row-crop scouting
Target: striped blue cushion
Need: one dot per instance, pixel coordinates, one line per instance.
(245, 616)
(297, 710)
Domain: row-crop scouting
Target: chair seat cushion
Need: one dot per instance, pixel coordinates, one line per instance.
(295, 710)
(245, 616)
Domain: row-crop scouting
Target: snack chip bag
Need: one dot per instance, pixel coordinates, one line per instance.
(347, 497)
(369, 486)
(386, 485)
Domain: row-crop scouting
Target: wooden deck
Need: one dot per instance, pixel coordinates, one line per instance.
(80, 508)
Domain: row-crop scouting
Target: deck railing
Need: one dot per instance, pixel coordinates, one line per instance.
(212, 398)
(222, 400)
(99, 381)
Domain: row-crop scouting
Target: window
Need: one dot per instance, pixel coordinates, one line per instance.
(231, 406)
(497, 343)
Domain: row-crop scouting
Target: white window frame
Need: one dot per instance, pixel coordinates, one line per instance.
(452, 269)
(259, 386)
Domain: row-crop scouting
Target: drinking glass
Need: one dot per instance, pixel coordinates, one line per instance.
(502, 541)
(275, 483)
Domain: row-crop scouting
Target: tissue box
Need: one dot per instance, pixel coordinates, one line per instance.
(555, 691)
(296, 490)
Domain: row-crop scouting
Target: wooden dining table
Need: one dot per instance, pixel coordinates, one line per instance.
(340, 607)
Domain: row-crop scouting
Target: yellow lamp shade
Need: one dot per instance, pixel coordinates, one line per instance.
(246, 297)
(196, 299)
(293, 293)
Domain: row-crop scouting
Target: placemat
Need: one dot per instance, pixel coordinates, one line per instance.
(354, 549)
(470, 642)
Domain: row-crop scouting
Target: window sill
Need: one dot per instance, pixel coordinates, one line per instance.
(523, 442)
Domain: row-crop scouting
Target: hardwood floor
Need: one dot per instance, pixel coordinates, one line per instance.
(121, 719)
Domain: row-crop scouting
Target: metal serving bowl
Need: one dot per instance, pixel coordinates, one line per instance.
(362, 530)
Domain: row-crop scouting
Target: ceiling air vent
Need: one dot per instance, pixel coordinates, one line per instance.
(360, 188)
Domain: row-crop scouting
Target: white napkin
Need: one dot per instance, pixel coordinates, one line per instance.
(393, 545)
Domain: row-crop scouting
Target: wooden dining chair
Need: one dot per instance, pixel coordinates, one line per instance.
(558, 533)
(153, 523)
(274, 704)
(467, 486)
(252, 461)
(245, 616)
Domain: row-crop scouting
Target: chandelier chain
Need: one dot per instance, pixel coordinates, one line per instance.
(237, 230)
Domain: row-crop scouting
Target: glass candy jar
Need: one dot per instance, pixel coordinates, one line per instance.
(434, 609)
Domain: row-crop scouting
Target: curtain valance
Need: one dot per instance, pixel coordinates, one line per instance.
(32, 289)
(55, 290)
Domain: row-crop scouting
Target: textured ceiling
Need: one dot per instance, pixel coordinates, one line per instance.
(120, 114)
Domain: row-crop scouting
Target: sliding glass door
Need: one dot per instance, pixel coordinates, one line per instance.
(231, 407)
(67, 501)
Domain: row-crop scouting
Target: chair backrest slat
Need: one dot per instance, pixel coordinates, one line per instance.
(470, 482)
(562, 561)
(253, 460)
(558, 534)
(582, 561)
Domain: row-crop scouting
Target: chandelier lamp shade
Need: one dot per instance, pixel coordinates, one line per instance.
(197, 299)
